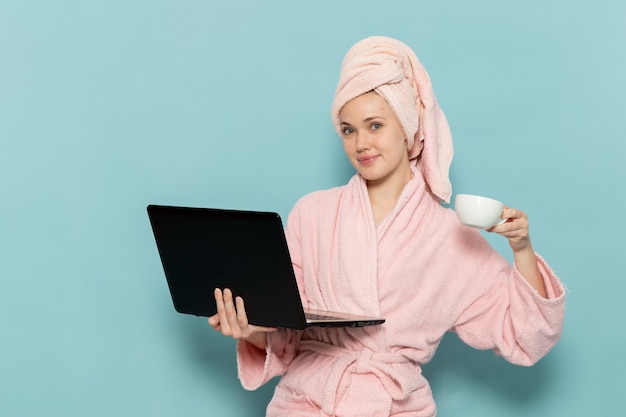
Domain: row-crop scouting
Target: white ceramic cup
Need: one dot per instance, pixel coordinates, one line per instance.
(477, 211)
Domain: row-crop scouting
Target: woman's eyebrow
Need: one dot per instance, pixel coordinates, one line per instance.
(369, 119)
(366, 120)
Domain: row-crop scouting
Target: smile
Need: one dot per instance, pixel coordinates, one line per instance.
(366, 160)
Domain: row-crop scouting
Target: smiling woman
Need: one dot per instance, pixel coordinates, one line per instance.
(108, 106)
(362, 245)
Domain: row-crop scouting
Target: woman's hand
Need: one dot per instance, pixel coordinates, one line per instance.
(232, 321)
(515, 229)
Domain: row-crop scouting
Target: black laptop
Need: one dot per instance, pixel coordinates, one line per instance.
(205, 248)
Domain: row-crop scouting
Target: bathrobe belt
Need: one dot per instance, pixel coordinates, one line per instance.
(398, 381)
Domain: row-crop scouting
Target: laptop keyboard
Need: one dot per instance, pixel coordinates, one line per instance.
(314, 316)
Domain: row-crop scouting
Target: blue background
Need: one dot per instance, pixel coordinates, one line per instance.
(107, 106)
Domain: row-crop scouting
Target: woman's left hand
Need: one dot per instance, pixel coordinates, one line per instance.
(515, 229)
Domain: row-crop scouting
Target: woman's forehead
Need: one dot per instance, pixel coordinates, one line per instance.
(363, 107)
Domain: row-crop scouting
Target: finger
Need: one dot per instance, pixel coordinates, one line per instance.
(242, 317)
(231, 313)
(505, 227)
(509, 226)
(512, 213)
(507, 214)
(245, 326)
(221, 312)
(214, 321)
(515, 230)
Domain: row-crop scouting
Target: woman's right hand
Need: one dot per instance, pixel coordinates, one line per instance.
(232, 321)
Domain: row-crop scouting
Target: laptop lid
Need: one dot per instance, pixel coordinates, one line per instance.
(205, 248)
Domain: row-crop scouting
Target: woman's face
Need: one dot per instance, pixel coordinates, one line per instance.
(373, 140)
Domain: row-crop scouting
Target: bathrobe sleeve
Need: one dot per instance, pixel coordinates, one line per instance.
(504, 313)
(256, 366)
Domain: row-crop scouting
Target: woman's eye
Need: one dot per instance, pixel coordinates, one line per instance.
(376, 126)
(347, 130)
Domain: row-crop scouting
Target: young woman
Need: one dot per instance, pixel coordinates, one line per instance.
(384, 245)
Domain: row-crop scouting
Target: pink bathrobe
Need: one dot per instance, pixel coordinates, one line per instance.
(420, 269)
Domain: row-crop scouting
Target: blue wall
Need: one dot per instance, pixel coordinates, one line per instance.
(108, 106)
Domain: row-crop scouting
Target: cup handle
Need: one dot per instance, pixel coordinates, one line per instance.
(500, 222)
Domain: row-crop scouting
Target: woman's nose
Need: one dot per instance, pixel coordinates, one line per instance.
(362, 141)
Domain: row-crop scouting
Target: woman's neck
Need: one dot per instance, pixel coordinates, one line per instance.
(384, 195)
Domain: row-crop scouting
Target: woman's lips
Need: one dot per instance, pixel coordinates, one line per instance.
(366, 160)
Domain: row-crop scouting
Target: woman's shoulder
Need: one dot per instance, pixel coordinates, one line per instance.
(330, 196)
(314, 208)
(320, 198)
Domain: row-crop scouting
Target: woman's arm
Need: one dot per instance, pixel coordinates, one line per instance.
(516, 230)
